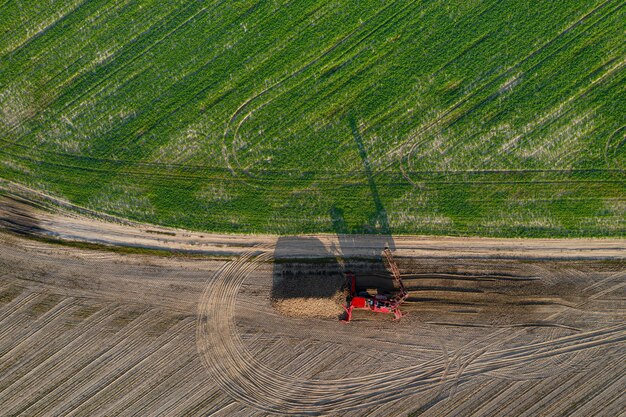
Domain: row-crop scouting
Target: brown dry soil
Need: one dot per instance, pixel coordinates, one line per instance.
(248, 325)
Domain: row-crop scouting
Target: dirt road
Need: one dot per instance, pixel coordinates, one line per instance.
(495, 327)
(27, 211)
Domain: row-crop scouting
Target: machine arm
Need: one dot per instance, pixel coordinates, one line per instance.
(396, 273)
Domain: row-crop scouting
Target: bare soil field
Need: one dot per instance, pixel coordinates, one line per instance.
(494, 327)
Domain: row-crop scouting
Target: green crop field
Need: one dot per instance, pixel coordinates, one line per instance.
(460, 117)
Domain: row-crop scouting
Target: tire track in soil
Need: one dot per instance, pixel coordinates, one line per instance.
(252, 382)
(574, 360)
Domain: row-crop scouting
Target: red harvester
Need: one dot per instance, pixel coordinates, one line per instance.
(379, 303)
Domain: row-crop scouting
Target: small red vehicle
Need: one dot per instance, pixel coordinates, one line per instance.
(378, 303)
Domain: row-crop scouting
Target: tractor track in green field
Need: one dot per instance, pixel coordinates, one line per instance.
(612, 70)
(41, 32)
(329, 180)
(450, 115)
(109, 74)
(155, 169)
(615, 148)
(240, 133)
(278, 84)
(447, 118)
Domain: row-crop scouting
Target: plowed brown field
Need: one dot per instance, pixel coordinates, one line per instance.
(494, 327)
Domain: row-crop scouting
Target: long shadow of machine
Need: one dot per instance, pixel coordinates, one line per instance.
(306, 269)
(311, 278)
(308, 278)
(17, 216)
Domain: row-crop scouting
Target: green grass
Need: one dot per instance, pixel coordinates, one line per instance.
(461, 118)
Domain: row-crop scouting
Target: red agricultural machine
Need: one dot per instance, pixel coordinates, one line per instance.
(378, 303)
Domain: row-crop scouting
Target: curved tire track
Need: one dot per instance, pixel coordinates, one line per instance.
(250, 381)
